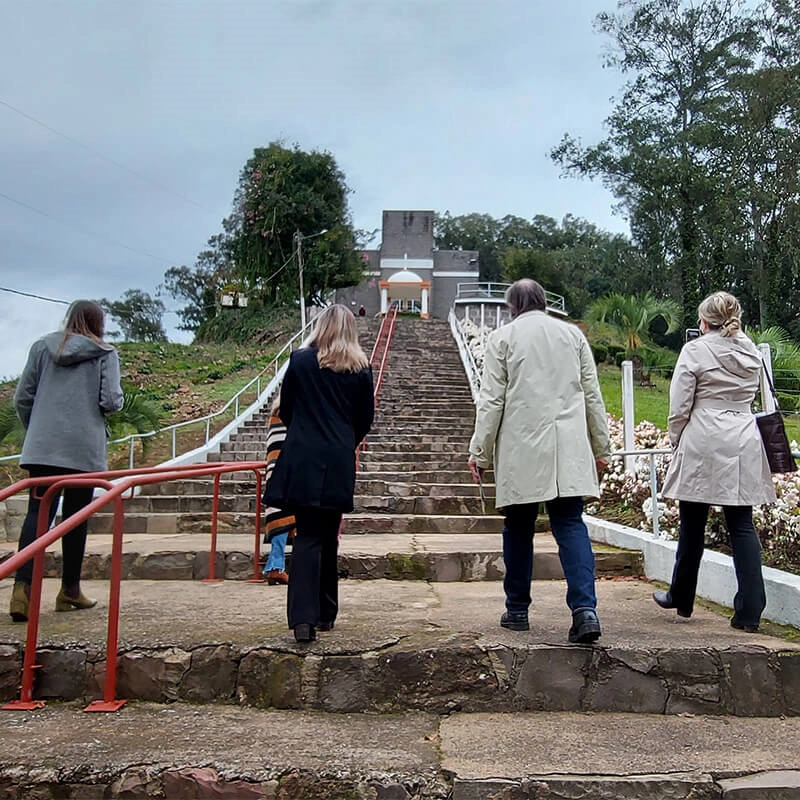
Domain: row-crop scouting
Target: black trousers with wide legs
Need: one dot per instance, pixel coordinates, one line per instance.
(73, 544)
(750, 598)
(314, 575)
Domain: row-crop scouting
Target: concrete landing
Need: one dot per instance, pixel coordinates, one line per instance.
(408, 645)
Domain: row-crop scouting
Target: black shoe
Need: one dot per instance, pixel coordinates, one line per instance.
(304, 632)
(325, 626)
(745, 628)
(515, 622)
(585, 627)
(664, 599)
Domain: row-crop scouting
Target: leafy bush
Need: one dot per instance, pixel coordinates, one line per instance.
(599, 353)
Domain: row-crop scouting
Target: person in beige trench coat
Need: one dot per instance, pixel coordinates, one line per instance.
(541, 421)
(718, 457)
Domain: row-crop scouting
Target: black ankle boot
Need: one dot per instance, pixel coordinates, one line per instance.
(664, 599)
(304, 632)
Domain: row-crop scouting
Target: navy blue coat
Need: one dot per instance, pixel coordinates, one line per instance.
(327, 414)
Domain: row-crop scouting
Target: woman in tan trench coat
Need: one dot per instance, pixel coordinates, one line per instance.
(718, 458)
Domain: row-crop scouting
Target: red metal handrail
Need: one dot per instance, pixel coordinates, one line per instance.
(113, 494)
(378, 360)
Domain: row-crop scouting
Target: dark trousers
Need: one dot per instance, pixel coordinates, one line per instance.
(73, 544)
(574, 551)
(750, 598)
(314, 575)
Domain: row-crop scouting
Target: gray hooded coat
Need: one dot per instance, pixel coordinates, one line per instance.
(718, 457)
(62, 400)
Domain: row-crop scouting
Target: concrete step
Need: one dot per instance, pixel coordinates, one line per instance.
(407, 646)
(162, 523)
(454, 505)
(431, 557)
(251, 754)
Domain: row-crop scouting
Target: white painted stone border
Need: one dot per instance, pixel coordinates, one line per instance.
(717, 579)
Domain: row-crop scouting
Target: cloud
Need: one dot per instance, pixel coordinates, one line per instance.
(444, 104)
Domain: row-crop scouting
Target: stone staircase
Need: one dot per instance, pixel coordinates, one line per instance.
(417, 693)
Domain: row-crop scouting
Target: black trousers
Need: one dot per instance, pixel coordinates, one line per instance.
(313, 595)
(73, 544)
(750, 599)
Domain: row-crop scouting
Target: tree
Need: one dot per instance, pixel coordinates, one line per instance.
(683, 59)
(200, 285)
(138, 315)
(283, 191)
(633, 315)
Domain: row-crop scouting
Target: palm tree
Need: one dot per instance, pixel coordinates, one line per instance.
(138, 415)
(632, 315)
(784, 350)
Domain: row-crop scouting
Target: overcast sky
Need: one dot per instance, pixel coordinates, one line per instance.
(425, 104)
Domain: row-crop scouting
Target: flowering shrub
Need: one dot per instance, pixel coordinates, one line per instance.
(626, 499)
(476, 341)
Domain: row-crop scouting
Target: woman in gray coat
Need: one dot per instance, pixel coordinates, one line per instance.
(70, 383)
(718, 458)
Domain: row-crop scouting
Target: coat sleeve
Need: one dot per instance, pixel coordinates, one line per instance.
(364, 409)
(25, 392)
(288, 394)
(491, 403)
(596, 420)
(681, 397)
(111, 397)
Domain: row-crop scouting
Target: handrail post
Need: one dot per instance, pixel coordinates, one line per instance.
(212, 556)
(257, 577)
(130, 455)
(654, 493)
(109, 701)
(29, 665)
(174, 442)
(208, 428)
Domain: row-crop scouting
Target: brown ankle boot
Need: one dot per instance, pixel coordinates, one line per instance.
(65, 602)
(275, 576)
(20, 601)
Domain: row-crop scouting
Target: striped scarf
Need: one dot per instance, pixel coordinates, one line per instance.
(277, 521)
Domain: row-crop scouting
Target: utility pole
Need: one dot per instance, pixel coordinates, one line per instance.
(299, 240)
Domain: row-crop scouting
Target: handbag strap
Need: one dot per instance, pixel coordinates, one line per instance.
(771, 385)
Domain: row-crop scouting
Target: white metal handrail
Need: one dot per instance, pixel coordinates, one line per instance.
(490, 290)
(273, 367)
(467, 359)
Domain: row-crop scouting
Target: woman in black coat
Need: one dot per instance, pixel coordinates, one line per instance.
(328, 405)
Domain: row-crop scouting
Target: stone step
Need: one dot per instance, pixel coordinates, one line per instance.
(453, 505)
(472, 557)
(163, 523)
(407, 646)
(187, 751)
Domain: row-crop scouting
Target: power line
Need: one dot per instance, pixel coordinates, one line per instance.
(31, 294)
(102, 155)
(89, 233)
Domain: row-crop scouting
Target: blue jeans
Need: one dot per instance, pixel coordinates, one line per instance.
(277, 557)
(574, 550)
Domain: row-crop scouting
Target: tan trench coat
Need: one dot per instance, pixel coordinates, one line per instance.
(718, 458)
(540, 414)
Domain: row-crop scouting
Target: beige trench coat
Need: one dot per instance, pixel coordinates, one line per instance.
(540, 414)
(718, 457)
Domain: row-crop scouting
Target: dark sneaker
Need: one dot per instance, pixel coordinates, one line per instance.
(745, 628)
(585, 627)
(515, 622)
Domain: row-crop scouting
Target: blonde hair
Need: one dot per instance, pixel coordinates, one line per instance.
(721, 312)
(336, 338)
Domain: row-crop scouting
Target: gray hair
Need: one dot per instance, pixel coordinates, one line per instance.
(524, 295)
(721, 312)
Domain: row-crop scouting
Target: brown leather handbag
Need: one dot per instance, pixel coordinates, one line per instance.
(773, 435)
